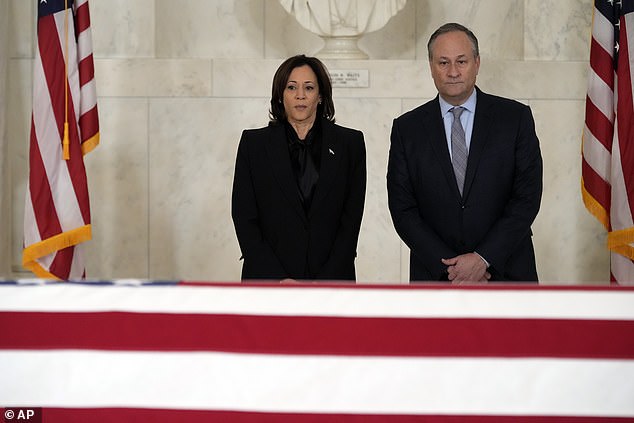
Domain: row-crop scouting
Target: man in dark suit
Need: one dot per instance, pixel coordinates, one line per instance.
(464, 175)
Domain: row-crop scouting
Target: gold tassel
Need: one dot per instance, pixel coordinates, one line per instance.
(66, 142)
(66, 139)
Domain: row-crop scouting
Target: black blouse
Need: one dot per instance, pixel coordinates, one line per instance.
(305, 160)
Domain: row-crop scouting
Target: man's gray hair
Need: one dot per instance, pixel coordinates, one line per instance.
(453, 27)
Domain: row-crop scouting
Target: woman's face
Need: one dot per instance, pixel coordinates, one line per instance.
(301, 96)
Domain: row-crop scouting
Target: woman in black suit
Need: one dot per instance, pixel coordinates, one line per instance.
(299, 183)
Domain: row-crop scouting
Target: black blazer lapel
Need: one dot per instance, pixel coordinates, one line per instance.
(331, 156)
(479, 136)
(434, 125)
(277, 149)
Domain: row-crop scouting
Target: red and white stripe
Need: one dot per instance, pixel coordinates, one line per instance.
(57, 209)
(608, 139)
(312, 354)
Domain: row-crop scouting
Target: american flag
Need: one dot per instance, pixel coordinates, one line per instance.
(130, 351)
(608, 137)
(64, 127)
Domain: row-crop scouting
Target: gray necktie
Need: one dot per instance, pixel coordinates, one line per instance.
(458, 148)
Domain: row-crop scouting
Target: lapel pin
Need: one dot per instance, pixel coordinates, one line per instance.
(331, 152)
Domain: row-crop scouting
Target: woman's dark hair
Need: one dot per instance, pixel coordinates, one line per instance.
(452, 27)
(325, 109)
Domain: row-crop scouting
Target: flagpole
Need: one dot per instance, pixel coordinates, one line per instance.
(66, 137)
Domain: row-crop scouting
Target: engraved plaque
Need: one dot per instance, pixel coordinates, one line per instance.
(356, 78)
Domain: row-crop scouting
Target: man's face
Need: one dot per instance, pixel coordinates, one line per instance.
(454, 67)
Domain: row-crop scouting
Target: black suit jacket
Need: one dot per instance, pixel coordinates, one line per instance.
(278, 238)
(502, 192)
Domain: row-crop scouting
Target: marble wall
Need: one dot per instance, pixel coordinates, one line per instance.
(5, 227)
(179, 81)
